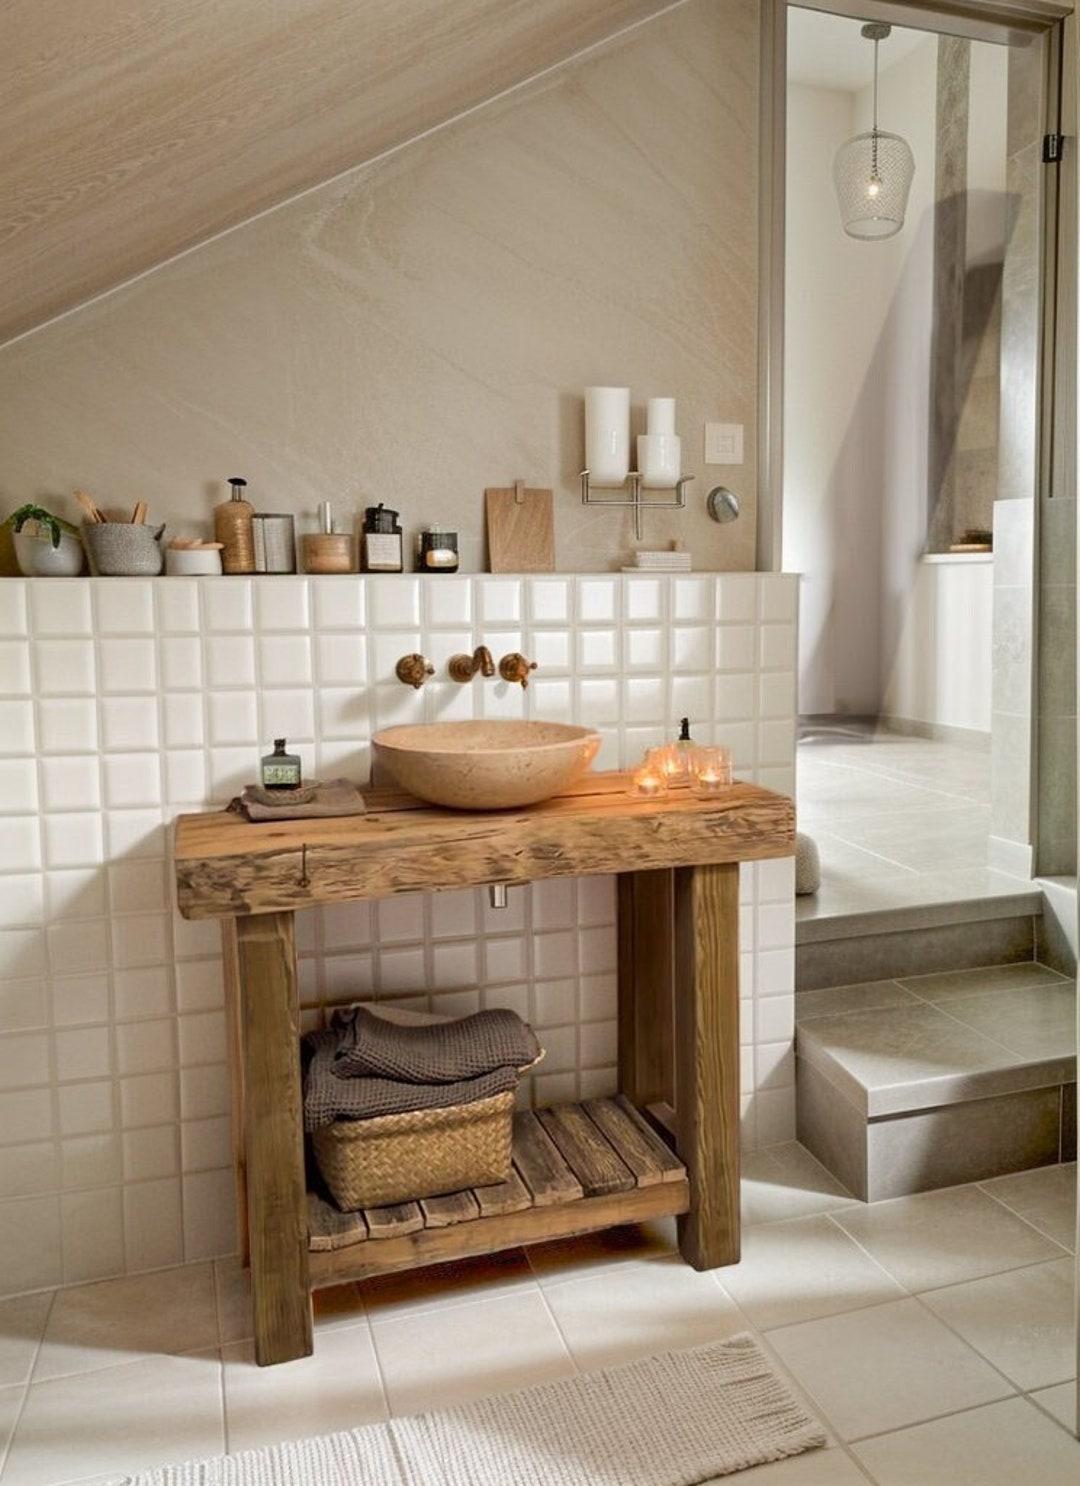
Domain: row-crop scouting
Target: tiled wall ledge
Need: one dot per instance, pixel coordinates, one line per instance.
(124, 702)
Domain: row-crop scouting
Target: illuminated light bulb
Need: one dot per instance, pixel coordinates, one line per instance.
(873, 187)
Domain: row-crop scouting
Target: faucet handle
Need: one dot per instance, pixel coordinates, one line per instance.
(516, 667)
(414, 670)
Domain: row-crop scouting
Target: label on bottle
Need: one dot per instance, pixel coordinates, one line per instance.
(440, 557)
(284, 775)
(382, 552)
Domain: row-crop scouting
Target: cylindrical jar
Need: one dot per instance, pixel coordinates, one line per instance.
(233, 529)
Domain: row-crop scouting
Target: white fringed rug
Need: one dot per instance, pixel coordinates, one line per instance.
(676, 1419)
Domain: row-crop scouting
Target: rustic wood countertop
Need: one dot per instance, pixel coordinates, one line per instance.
(228, 866)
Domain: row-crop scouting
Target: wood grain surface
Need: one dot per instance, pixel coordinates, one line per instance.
(276, 1196)
(131, 131)
(226, 865)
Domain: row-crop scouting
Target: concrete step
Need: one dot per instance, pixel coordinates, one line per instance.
(918, 938)
(908, 1084)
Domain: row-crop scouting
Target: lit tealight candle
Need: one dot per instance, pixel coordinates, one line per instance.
(710, 770)
(648, 784)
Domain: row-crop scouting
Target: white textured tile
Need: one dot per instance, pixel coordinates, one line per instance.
(549, 600)
(736, 598)
(68, 725)
(61, 608)
(340, 603)
(230, 660)
(15, 667)
(124, 606)
(227, 604)
(442, 1357)
(14, 616)
(282, 604)
(16, 726)
(178, 606)
(153, 1235)
(285, 660)
(129, 722)
(128, 665)
(994, 1446)
(643, 600)
(597, 600)
(92, 1234)
(886, 1367)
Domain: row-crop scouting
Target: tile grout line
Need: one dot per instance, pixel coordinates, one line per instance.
(5, 1454)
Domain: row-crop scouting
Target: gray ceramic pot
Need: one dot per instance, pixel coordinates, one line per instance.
(124, 549)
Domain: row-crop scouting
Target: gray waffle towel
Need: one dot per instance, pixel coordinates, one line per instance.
(329, 1097)
(443, 1053)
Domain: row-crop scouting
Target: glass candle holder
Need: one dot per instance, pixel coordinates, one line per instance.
(649, 782)
(710, 770)
(668, 761)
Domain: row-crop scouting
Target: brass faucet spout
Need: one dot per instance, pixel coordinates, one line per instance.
(464, 667)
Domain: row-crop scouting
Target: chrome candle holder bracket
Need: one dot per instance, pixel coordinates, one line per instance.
(635, 499)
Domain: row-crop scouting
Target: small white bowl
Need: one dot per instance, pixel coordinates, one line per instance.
(192, 562)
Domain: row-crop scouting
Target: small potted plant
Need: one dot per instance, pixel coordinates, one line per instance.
(46, 546)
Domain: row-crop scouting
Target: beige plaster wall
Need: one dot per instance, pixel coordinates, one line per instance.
(424, 326)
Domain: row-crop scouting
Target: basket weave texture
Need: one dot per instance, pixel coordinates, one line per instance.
(423, 1153)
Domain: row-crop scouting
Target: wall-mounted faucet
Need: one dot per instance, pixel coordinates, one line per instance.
(516, 667)
(414, 670)
(464, 667)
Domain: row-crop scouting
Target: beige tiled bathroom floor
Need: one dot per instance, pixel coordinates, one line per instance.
(933, 1334)
(899, 822)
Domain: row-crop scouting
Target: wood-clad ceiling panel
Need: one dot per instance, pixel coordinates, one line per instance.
(132, 129)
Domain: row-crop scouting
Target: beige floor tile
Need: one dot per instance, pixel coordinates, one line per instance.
(1032, 1022)
(944, 985)
(1045, 1197)
(661, 1305)
(1021, 1321)
(786, 1181)
(338, 1387)
(117, 1321)
(22, 1325)
(815, 1468)
(10, 1404)
(1061, 1402)
(863, 996)
(437, 1358)
(341, 1305)
(945, 1237)
(884, 1368)
(1001, 1445)
(415, 1290)
(802, 1269)
(568, 1258)
(120, 1419)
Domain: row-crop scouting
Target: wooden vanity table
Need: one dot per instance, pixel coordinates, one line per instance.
(577, 1167)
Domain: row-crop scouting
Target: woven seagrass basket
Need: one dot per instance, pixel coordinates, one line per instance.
(423, 1153)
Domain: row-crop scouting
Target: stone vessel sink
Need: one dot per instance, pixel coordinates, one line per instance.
(485, 765)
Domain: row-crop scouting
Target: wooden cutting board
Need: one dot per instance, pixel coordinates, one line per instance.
(520, 529)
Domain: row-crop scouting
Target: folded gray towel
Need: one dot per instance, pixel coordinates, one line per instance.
(329, 1097)
(443, 1053)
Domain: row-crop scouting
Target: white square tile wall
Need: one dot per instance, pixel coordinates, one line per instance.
(124, 702)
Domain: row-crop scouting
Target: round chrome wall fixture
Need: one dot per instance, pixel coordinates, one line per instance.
(722, 503)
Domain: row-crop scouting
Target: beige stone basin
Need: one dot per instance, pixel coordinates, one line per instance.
(485, 765)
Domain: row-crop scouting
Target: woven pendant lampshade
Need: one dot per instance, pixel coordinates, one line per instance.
(873, 171)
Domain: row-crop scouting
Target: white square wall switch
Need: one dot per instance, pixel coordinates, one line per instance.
(723, 443)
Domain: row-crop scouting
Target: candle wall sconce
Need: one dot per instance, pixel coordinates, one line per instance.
(635, 500)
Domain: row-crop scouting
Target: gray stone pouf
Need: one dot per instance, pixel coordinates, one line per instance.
(807, 865)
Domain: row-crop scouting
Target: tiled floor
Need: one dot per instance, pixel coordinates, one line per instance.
(933, 1334)
(898, 821)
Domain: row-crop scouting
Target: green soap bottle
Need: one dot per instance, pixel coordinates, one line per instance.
(281, 770)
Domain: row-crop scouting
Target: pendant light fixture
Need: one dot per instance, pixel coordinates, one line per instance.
(873, 172)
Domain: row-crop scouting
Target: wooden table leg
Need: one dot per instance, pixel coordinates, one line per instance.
(234, 1032)
(646, 994)
(273, 1137)
(707, 1059)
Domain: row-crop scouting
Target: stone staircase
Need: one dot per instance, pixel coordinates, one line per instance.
(933, 1047)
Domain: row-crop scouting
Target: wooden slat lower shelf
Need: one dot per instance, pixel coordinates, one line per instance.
(545, 1199)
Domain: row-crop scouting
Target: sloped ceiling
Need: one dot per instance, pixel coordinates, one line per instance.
(132, 129)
